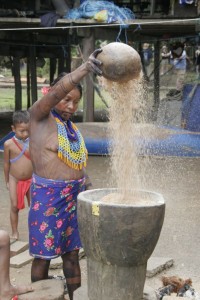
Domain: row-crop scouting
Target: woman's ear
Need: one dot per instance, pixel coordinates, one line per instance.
(13, 128)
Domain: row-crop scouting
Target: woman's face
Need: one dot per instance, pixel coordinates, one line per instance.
(68, 105)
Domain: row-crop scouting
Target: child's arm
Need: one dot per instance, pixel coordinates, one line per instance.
(6, 162)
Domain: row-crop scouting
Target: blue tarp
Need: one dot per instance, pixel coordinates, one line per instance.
(5, 138)
(182, 143)
(191, 107)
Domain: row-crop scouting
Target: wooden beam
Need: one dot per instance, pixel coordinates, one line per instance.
(88, 92)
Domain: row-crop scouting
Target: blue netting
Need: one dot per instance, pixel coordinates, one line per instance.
(89, 8)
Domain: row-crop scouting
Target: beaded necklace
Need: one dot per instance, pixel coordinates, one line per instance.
(71, 146)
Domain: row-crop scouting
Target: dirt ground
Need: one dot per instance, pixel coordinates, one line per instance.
(177, 179)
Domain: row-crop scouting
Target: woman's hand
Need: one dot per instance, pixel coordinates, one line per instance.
(93, 64)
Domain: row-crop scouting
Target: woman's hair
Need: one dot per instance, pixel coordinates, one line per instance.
(20, 116)
(60, 76)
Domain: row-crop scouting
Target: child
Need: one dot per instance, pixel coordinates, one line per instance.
(7, 290)
(18, 167)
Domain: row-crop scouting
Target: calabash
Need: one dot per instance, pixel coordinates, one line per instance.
(120, 62)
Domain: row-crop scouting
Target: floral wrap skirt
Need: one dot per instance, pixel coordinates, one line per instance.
(53, 227)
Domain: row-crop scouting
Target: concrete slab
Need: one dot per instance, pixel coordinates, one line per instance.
(21, 259)
(156, 265)
(51, 289)
(174, 297)
(149, 293)
(18, 247)
(12, 241)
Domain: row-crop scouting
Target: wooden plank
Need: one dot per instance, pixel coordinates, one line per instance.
(21, 259)
(18, 247)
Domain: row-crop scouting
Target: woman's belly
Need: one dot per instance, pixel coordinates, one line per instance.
(55, 168)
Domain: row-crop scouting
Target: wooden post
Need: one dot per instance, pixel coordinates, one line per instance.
(32, 55)
(37, 5)
(156, 78)
(142, 60)
(18, 85)
(28, 83)
(88, 91)
(152, 7)
(61, 64)
(172, 7)
(52, 71)
(68, 59)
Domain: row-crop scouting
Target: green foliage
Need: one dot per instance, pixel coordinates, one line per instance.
(7, 102)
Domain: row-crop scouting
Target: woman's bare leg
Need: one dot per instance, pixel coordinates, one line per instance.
(72, 272)
(39, 269)
(7, 290)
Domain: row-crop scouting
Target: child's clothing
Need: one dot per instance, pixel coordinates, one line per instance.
(22, 189)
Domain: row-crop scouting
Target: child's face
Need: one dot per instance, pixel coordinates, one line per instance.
(21, 131)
